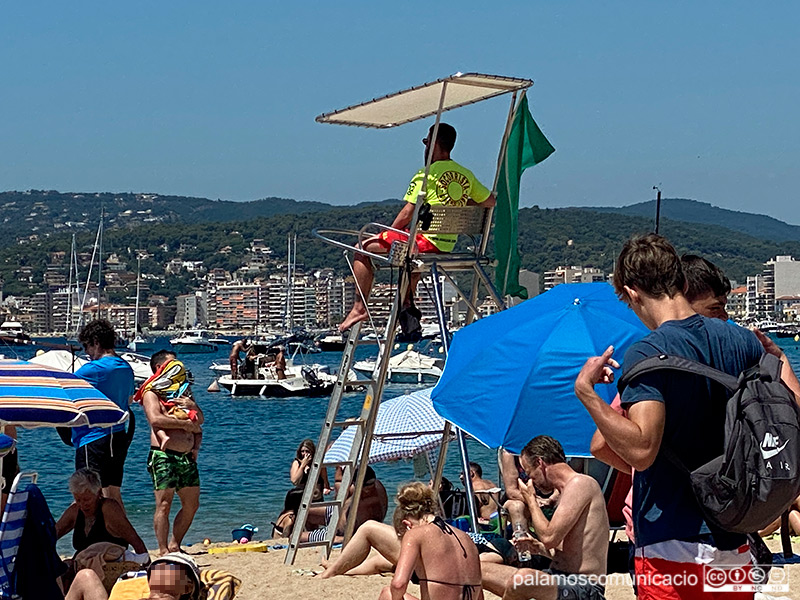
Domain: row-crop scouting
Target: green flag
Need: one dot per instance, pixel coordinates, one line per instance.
(526, 147)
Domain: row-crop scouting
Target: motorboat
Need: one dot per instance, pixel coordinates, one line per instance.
(142, 344)
(301, 380)
(331, 342)
(408, 366)
(219, 340)
(13, 333)
(193, 341)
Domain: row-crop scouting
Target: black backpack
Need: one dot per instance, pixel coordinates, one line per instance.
(757, 477)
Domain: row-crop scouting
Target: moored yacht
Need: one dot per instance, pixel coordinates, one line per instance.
(193, 341)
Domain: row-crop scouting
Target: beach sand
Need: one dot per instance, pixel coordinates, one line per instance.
(264, 576)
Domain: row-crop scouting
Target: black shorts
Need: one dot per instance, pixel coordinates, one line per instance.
(10, 470)
(106, 456)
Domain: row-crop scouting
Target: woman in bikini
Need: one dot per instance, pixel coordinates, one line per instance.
(444, 560)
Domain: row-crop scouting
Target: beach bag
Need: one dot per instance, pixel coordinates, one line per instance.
(757, 477)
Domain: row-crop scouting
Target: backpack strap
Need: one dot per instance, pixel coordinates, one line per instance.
(676, 363)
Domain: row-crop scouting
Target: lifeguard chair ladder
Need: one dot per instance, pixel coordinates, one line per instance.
(430, 99)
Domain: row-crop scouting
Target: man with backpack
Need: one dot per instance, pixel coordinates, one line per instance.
(676, 424)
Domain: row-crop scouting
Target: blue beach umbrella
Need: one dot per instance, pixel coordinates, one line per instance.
(405, 426)
(33, 395)
(510, 377)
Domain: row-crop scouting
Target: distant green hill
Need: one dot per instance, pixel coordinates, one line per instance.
(681, 209)
(548, 238)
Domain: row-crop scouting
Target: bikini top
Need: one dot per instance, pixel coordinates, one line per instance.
(466, 588)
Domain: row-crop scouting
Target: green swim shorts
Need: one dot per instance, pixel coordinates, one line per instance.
(172, 470)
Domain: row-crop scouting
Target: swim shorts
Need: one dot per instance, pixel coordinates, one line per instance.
(570, 587)
(106, 456)
(172, 470)
(424, 245)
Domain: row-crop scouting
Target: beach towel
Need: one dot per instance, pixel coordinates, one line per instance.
(170, 381)
(217, 584)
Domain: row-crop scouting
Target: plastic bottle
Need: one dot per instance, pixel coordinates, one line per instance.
(521, 534)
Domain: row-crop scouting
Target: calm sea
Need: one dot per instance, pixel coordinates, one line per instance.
(248, 446)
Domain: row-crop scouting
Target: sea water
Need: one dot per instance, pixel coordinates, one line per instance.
(248, 447)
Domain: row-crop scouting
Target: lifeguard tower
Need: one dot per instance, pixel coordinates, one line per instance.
(427, 100)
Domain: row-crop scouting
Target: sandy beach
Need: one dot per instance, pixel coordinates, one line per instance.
(264, 575)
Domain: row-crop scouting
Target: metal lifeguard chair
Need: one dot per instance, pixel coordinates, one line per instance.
(430, 99)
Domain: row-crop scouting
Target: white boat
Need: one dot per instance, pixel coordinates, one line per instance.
(409, 366)
(193, 341)
(14, 331)
(301, 380)
(141, 344)
(219, 340)
(67, 361)
(332, 342)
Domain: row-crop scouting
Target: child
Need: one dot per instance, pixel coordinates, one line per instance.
(171, 384)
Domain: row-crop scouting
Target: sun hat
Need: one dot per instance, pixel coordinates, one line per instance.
(179, 558)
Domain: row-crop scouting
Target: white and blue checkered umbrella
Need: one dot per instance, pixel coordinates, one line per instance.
(405, 426)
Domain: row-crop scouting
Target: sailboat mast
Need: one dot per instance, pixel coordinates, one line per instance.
(136, 314)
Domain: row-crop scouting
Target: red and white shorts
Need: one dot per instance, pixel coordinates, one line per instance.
(676, 570)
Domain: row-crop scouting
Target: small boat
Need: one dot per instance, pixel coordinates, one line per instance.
(332, 342)
(142, 344)
(13, 334)
(193, 341)
(219, 340)
(409, 366)
(70, 362)
(301, 380)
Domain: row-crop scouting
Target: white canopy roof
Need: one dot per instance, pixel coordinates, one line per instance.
(423, 101)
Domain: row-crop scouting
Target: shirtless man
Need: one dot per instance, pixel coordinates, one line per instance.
(242, 345)
(577, 534)
(487, 502)
(173, 469)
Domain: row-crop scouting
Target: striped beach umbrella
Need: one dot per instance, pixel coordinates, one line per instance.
(405, 426)
(38, 396)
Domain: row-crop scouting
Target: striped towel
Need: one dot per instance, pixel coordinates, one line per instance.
(10, 534)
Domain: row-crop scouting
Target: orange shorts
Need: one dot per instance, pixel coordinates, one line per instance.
(424, 245)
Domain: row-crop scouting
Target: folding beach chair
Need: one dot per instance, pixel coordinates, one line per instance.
(11, 528)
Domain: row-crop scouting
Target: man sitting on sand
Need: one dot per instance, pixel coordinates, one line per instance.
(487, 501)
(577, 533)
(449, 184)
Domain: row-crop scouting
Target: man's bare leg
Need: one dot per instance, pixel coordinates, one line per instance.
(370, 535)
(190, 502)
(115, 492)
(87, 586)
(362, 269)
(510, 583)
(517, 513)
(161, 518)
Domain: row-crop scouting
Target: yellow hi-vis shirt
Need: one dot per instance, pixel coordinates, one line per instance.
(450, 184)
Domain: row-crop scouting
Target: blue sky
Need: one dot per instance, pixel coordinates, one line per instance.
(218, 99)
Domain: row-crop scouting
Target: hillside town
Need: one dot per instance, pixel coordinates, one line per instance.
(270, 294)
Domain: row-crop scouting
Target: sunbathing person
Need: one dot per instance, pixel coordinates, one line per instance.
(94, 518)
(577, 533)
(174, 576)
(444, 560)
(449, 184)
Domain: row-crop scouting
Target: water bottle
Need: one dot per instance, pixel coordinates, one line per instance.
(521, 534)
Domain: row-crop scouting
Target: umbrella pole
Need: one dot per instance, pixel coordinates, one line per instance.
(462, 441)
